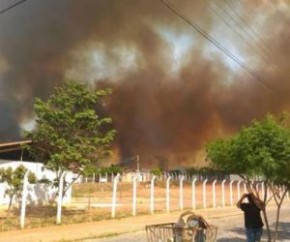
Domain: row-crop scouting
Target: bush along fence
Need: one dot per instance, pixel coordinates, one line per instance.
(164, 194)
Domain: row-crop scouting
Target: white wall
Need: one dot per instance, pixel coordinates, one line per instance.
(37, 193)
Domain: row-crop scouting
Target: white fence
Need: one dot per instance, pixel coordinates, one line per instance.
(207, 193)
(147, 176)
(204, 193)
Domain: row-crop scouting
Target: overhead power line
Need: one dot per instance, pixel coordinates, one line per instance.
(202, 32)
(12, 6)
(226, 22)
(266, 48)
(264, 54)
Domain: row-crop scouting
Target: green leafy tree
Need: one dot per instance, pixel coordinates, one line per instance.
(261, 149)
(157, 171)
(14, 180)
(112, 169)
(72, 131)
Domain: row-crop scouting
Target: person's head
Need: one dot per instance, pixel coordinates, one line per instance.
(251, 198)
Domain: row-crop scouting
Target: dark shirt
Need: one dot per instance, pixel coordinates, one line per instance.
(252, 215)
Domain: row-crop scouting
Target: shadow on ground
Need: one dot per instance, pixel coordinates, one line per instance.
(231, 240)
(283, 234)
(284, 231)
(237, 234)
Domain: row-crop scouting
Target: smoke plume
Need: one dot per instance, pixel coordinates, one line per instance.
(173, 90)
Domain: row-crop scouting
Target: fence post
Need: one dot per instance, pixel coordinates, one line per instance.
(239, 190)
(134, 200)
(23, 200)
(152, 194)
(181, 192)
(231, 193)
(94, 178)
(214, 193)
(257, 187)
(204, 193)
(59, 200)
(223, 193)
(193, 194)
(251, 185)
(114, 198)
(263, 190)
(269, 191)
(168, 194)
(245, 187)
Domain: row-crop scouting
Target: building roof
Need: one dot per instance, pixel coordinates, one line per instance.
(13, 146)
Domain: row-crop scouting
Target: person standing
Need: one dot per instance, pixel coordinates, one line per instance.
(252, 216)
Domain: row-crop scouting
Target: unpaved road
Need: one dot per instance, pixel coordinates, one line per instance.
(230, 229)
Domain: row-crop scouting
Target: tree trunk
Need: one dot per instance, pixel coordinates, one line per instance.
(69, 185)
(10, 204)
(279, 204)
(267, 225)
(277, 222)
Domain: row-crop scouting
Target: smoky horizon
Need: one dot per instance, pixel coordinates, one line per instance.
(173, 89)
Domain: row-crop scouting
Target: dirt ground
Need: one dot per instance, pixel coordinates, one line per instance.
(230, 228)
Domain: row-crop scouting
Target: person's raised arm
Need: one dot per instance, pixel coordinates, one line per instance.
(259, 203)
(241, 200)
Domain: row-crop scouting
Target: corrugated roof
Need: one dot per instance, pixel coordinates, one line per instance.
(12, 146)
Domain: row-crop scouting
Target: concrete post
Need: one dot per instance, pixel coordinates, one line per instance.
(223, 193)
(152, 194)
(193, 197)
(263, 190)
(231, 193)
(245, 187)
(114, 198)
(204, 193)
(23, 200)
(214, 193)
(168, 194)
(134, 199)
(239, 189)
(59, 200)
(181, 192)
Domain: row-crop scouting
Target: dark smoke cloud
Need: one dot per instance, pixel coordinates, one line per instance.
(164, 109)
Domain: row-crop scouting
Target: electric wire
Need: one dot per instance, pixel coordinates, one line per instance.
(12, 6)
(202, 32)
(266, 47)
(269, 52)
(281, 13)
(266, 60)
(253, 12)
(251, 38)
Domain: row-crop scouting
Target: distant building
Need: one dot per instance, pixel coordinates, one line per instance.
(15, 151)
(38, 193)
